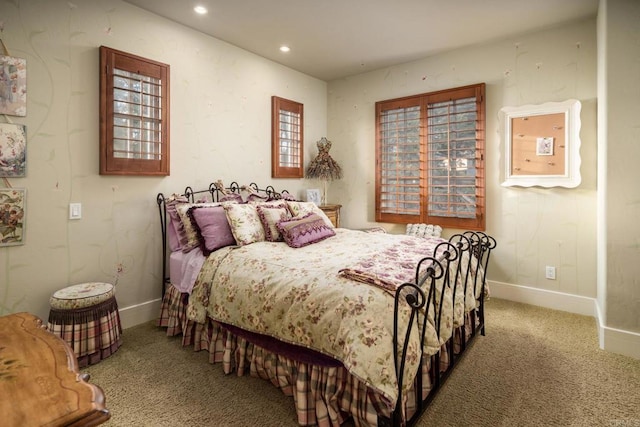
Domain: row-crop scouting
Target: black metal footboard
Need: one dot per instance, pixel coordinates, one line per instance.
(459, 266)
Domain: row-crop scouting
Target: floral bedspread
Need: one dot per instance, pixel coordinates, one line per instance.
(298, 296)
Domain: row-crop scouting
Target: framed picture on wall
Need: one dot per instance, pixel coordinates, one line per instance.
(12, 216)
(542, 144)
(13, 86)
(13, 150)
(313, 195)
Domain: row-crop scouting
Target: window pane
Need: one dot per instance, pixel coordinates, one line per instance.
(400, 168)
(452, 151)
(429, 148)
(137, 114)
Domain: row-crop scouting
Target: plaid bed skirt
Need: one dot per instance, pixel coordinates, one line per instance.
(324, 396)
(94, 333)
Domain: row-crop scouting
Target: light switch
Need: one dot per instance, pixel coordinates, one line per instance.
(75, 210)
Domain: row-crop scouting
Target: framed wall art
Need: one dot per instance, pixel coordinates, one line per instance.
(542, 145)
(12, 216)
(313, 195)
(13, 86)
(13, 150)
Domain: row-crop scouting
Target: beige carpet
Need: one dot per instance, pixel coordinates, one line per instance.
(535, 367)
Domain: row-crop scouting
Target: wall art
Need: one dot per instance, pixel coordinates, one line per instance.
(542, 144)
(13, 150)
(13, 86)
(12, 216)
(313, 195)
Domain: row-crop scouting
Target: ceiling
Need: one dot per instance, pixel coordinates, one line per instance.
(331, 39)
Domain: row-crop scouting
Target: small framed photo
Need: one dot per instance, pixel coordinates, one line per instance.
(544, 146)
(12, 215)
(313, 195)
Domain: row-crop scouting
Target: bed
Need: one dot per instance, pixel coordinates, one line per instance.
(360, 325)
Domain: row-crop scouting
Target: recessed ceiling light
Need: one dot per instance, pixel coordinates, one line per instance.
(201, 10)
(284, 49)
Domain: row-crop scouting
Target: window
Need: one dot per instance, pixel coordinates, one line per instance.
(430, 159)
(134, 115)
(286, 138)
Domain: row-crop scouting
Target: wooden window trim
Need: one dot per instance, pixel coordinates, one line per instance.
(109, 164)
(423, 100)
(278, 170)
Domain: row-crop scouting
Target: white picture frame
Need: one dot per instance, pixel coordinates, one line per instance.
(313, 195)
(545, 147)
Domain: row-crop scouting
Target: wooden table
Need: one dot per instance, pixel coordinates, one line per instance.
(39, 380)
(333, 213)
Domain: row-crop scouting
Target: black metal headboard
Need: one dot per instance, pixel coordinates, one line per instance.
(213, 193)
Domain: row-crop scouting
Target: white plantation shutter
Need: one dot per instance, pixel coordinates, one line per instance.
(137, 116)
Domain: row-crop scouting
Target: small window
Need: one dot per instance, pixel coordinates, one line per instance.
(134, 115)
(286, 138)
(430, 159)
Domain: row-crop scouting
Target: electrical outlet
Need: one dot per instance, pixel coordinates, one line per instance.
(550, 272)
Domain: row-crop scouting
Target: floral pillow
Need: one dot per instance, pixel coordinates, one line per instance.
(245, 223)
(269, 217)
(301, 231)
(212, 226)
(303, 208)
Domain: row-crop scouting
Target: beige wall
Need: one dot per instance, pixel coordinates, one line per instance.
(220, 129)
(534, 227)
(620, 137)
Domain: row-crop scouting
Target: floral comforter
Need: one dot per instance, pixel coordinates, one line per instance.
(299, 296)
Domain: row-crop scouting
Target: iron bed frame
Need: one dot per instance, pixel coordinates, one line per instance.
(429, 271)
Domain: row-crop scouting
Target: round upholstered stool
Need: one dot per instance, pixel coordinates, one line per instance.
(86, 317)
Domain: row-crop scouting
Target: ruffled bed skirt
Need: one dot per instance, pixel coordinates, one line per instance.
(324, 395)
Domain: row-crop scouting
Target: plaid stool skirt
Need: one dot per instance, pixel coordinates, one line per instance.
(94, 332)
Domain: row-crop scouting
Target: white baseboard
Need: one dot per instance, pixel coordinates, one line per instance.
(139, 313)
(617, 340)
(614, 340)
(544, 298)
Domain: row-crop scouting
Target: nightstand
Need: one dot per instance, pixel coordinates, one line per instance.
(333, 212)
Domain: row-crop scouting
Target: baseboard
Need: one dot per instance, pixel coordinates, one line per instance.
(614, 340)
(617, 340)
(139, 313)
(544, 298)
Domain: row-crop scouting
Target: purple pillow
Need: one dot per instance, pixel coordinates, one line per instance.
(172, 235)
(253, 197)
(175, 230)
(302, 231)
(213, 228)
